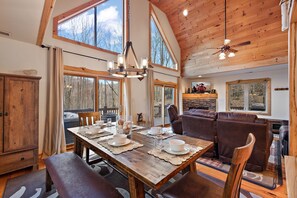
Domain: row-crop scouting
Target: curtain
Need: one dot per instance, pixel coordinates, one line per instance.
(150, 94)
(54, 137)
(178, 99)
(127, 97)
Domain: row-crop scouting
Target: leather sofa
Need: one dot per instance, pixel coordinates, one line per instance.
(233, 129)
(201, 124)
(175, 119)
(229, 130)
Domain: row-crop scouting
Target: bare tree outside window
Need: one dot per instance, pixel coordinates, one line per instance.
(159, 52)
(100, 26)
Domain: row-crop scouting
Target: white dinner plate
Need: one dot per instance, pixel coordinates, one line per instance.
(160, 133)
(94, 131)
(113, 143)
(183, 152)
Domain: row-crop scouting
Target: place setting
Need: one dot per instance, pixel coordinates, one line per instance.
(158, 133)
(174, 151)
(94, 131)
(119, 143)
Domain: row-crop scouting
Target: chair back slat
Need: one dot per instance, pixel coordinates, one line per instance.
(88, 118)
(239, 160)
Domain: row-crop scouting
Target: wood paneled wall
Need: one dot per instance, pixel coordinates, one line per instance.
(258, 21)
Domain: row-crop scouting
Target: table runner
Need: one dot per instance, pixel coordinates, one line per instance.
(174, 159)
(119, 149)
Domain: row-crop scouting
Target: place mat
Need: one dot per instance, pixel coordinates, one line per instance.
(136, 127)
(166, 135)
(174, 159)
(119, 149)
(94, 135)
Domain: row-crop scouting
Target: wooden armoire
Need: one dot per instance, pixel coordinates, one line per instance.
(18, 122)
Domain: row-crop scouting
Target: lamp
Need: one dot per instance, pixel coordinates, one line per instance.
(124, 68)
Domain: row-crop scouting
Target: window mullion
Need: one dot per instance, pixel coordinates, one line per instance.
(95, 26)
(246, 97)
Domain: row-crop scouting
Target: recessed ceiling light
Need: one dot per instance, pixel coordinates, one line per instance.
(199, 76)
(185, 12)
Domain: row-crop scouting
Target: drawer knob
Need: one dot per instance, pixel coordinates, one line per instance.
(6, 113)
(22, 158)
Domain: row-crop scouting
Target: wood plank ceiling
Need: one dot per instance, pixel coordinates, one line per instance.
(258, 21)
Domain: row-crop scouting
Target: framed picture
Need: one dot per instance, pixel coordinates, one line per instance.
(206, 84)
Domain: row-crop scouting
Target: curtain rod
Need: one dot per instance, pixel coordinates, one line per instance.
(69, 52)
(100, 59)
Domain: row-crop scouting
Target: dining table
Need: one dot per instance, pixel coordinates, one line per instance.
(139, 164)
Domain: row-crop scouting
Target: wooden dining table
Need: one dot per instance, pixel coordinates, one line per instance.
(141, 167)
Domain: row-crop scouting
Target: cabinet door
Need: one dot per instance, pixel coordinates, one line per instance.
(1, 111)
(21, 114)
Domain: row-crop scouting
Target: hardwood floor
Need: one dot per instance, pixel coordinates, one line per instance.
(279, 192)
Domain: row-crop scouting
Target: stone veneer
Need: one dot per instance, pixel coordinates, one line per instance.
(203, 103)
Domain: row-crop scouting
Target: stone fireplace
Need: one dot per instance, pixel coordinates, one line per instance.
(200, 101)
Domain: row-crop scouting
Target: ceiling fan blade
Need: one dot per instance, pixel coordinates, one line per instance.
(233, 50)
(242, 44)
(216, 52)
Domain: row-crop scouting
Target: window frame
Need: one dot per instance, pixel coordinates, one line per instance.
(153, 15)
(250, 81)
(80, 9)
(164, 84)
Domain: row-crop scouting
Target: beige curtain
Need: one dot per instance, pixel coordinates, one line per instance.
(127, 96)
(54, 137)
(150, 94)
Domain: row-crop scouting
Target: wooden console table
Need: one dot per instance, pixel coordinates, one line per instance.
(291, 175)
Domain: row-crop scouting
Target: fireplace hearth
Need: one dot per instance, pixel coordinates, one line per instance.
(200, 101)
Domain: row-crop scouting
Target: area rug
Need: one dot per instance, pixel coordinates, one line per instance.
(269, 178)
(33, 185)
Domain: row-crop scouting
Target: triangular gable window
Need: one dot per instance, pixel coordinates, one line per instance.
(99, 25)
(160, 55)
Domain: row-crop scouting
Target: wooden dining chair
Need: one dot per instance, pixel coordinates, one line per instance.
(193, 185)
(88, 118)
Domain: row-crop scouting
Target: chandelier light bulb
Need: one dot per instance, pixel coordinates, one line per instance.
(120, 59)
(110, 65)
(185, 12)
(144, 63)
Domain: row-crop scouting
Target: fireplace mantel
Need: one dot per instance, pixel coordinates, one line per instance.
(200, 96)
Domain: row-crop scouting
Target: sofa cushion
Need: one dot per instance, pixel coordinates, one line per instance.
(235, 116)
(202, 113)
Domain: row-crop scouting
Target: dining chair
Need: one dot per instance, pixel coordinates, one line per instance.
(88, 118)
(193, 185)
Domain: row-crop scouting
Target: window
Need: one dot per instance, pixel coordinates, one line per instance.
(164, 95)
(249, 96)
(100, 26)
(80, 95)
(160, 53)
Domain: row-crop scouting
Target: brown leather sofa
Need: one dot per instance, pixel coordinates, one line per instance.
(201, 124)
(229, 130)
(233, 129)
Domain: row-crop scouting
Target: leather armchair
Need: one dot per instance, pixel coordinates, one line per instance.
(175, 119)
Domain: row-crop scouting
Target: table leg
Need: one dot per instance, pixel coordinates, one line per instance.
(193, 167)
(78, 147)
(136, 187)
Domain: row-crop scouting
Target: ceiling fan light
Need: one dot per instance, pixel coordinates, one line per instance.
(222, 54)
(231, 54)
(222, 57)
(185, 12)
(227, 41)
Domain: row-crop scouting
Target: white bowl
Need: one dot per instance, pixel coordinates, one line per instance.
(99, 122)
(119, 138)
(156, 130)
(177, 145)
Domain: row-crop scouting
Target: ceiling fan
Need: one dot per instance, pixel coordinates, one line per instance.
(226, 49)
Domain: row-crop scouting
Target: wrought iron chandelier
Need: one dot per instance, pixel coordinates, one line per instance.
(123, 67)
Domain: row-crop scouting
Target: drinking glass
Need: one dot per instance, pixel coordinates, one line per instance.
(108, 122)
(158, 143)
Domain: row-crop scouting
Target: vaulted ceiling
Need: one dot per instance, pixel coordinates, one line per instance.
(258, 21)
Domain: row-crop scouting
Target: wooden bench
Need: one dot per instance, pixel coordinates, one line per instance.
(72, 178)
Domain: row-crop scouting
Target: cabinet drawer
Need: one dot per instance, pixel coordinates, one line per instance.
(15, 161)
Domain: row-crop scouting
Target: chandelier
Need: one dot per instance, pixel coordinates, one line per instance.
(127, 64)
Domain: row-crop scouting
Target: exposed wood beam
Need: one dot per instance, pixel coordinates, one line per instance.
(46, 13)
